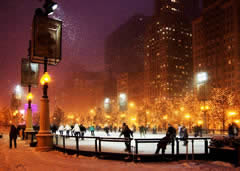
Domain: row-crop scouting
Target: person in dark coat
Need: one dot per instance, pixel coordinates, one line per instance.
(230, 130)
(83, 130)
(185, 135)
(162, 144)
(127, 133)
(13, 136)
(171, 132)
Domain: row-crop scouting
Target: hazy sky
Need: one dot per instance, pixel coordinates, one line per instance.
(86, 25)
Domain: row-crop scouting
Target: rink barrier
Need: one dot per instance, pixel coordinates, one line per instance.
(135, 153)
(77, 142)
(102, 139)
(192, 140)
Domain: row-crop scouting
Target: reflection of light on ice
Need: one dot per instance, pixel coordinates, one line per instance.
(118, 147)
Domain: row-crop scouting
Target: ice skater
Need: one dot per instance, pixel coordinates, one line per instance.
(127, 133)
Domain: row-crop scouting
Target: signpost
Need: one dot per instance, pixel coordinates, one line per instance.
(46, 49)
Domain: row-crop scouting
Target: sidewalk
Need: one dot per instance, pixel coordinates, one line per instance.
(26, 158)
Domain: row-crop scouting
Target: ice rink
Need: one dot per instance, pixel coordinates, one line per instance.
(88, 144)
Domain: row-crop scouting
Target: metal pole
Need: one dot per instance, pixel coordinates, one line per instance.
(192, 149)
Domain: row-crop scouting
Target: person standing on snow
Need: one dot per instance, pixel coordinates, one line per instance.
(67, 128)
(127, 133)
(76, 130)
(92, 130)
(13, 136)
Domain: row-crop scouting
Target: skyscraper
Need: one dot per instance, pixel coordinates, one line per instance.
(124, 51)
(168, 53)
(216, 43)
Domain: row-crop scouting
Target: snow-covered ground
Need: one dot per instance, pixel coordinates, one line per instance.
(25, 158)
(118, 147)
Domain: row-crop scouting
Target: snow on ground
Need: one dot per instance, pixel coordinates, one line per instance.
(25, 158)
(118, 147)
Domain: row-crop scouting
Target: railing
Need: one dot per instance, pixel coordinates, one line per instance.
(175, 145)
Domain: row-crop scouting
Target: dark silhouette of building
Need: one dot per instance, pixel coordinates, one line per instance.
(216, 43)
(124, 51)
(168, 53)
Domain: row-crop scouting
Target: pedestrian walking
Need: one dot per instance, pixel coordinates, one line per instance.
(13, 136)
(127, 133)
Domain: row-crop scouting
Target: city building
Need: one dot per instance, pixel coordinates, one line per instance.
(168, 64)
(216, 40)
(130, 84)
(124, 52)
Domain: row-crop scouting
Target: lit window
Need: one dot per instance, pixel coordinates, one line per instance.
(173, 0)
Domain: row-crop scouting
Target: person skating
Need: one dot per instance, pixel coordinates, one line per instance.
(61, 129)
(106, 129)
(83, 130)
(68, 129)
(171, 132)
(185, 135)
(13, 136)
(127, 133)
(92, 130)
(76, 130)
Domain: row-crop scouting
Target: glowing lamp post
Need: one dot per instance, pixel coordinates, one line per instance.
(29, 127)
(187, 116)
(47, 52)
(232, 114)
(202, 78)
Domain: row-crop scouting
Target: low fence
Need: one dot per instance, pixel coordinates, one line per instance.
(95, 145)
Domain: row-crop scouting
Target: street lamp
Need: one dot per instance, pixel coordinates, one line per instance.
(18, 91)
(49, 7)
(232, 114)
(29, 127)
(202, 78)
(188, 116)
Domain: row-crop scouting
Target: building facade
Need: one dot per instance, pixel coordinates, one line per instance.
(216, 40)
(168, 53)
(124, 52)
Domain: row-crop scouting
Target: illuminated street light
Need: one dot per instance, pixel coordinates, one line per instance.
(200, 122)
(107, 116)
(232, 114)
(122, 115)
(29, 96)
(92, 111)
(165, 117)
(202, 77)
(18, 91)
(131, 104)
(50, 7)
(187, 116)
(45, 78)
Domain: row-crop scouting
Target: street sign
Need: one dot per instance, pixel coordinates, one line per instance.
(29, 73)
(46, 40)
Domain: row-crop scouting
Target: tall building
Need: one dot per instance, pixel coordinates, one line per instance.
(130, 83)
(216, 40)
(124, 51)
(168, 53)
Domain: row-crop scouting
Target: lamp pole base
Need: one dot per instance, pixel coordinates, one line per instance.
(44, 136)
